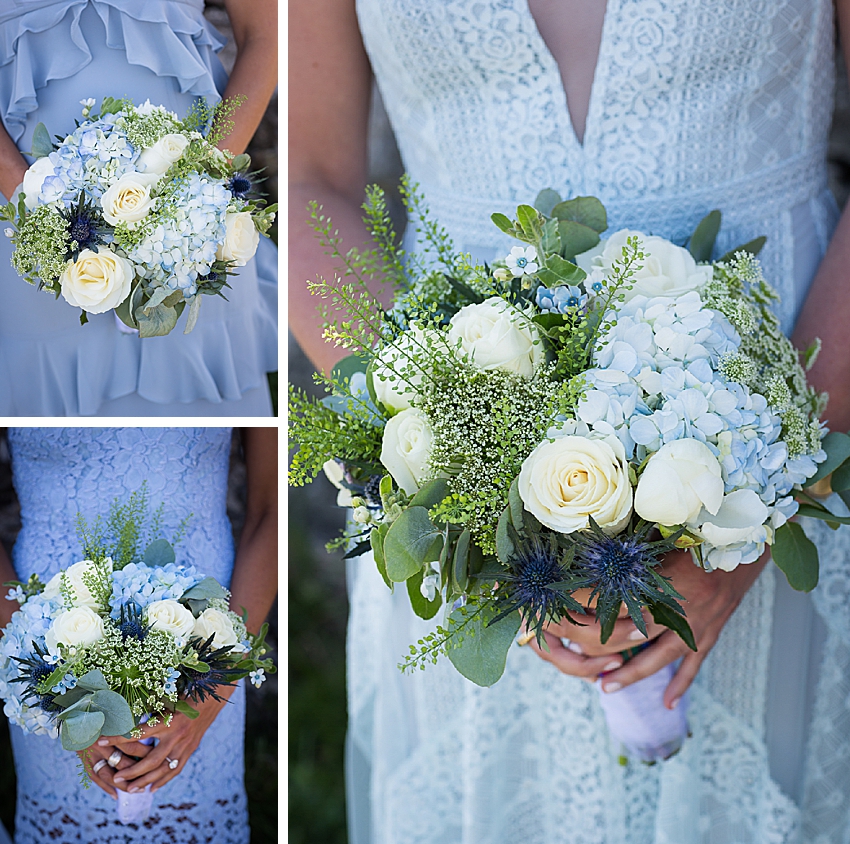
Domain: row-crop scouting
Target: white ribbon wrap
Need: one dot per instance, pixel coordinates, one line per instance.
(136, 807)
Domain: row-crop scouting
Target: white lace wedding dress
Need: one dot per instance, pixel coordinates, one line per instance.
(695, 105)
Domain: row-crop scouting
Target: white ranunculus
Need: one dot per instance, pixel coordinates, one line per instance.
(34, 178)
(680, 479)
(497, 336)
(97, 281)
(213, 622)
(397, 394)
(170, 616)
(740, 519)
(564, 481)
(668, 270)
(76, 627)
(406, 448)
(335, 474)
(158, 158)
(129, 199)
(241, 238)
(82, 596)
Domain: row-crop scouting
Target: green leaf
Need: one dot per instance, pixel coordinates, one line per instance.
(550, 240)
(607, 622)
(208, 589)
(529, 220)
(431, 494)
(421, 605)
(576, 238)
(42, 146)
(751, 246)
(546, 200)
(812, 512)
(549, 321)
(503, 222)
(460, 562)
(482, 654)
(194, 312)
(241, 162)
(69, 699)
(465, 290)
(118, 719)
(81, 730)
(348, 367)
(567, 271)
(704, 237)
(797, 556)
(515, 504)
(93, 681)
(587, 210)
(840, 480)
(548, 278)
(157, 321)
(185, 709)
(662, 614)
(159, 553)
(411, 541)
(837, 448)
(127, 308)
(376, 540)
(504, 544)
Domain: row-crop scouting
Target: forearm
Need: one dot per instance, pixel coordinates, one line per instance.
(826, 314)
(12, 164)
(7, 573)
(254, 582)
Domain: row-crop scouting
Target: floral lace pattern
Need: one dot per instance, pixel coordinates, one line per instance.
(694, 106)
(59, 472)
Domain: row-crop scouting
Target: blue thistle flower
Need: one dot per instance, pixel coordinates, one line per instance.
(131, 624)
(86, 226)
(198, 684)
(240, 185)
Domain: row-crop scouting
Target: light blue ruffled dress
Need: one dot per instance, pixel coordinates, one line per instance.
(53, 53)
(59, 472)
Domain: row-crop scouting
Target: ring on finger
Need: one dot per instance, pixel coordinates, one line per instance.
(101, 763)
(172, 763)
(525, 638)
(114, 758)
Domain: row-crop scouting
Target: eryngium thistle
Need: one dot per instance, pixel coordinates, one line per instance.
(86, 226)
(199, 684)
(33, 670)
(538, 583)
(621, 570)
(131, 624)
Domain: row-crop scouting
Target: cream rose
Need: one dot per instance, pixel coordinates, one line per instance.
(170, 616)
(34, 179)
(497, 336)
(564, 481)
(97, 281)
(241, 238)
(213, 622)
(739, 522)
(77, 627)
(129, 200)
(406, 448)
(668, 270)
(680, 479)
(397, 394)
(158, 158)
(82, 596)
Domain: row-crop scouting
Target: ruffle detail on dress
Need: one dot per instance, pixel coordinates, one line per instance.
(72, 372)
(40, 41)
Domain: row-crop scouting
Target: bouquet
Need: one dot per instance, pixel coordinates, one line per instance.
(522, 442)
(124, 637)
(137, 211)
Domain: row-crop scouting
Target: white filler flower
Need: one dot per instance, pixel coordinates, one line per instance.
(522, 261)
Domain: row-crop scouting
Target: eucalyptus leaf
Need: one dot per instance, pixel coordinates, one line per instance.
(158, 297)
(185, 709)
(208, 589)
(431, 494)
(81, 704)
(515, 504)
(159, 553)
(837, 448)
(548, 278)
(71, 698)
(503, 222)
(42, 146)
(797, 556)
(550, 238)
(376, 540)
(420, 604)
(704, 237)
(482, 654)
(587, 210)
(504, 544)
(81, 730)
(840, 480)
(156, 321)
(549, 321)
(93, 681)
(411, 541)
(118, 719)
(567, 271)
(194, 312)
(576, 238)
(546, 200)
(241, 162)
(460, 562)
(752, 246)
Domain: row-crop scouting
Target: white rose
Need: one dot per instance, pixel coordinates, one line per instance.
(680, 479)
(497, 336)
(34, 178)
(564, 481)
(406, 448)
(77, 627)
(158, 158)
(82, 596)
(213, 622)
(170, 616)
(668, 270)
(740, 519)
(397, 394)
(241, 238)
(129, 200)
(97, 281)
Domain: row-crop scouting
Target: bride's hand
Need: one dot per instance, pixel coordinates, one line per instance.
(177, 742)
(103, 777)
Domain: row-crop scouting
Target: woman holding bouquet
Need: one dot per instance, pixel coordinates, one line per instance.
(61, 472)
(664, 111)
(57, 53)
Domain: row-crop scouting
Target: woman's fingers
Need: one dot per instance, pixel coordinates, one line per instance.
(164, 772)
(624, 636)
(572, 663)
(665, 649)
(682, 679)
(129, 747)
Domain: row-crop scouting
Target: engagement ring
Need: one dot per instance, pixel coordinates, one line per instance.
(114, 758)
(172, 763)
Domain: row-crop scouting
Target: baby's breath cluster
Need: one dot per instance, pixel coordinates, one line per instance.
(41, 246)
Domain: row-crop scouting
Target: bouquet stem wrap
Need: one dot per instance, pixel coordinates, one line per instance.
(638, 719)
(135, 808)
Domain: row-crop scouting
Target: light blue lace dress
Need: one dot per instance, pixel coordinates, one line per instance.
(59, 472)
(53, 53)
(695, 105)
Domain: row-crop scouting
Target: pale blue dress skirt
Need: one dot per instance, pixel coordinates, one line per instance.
(54, 53)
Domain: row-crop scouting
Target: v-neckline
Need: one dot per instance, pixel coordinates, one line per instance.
(539, 44)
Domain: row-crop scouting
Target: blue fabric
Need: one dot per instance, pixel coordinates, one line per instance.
(52, 55)
(57, 473)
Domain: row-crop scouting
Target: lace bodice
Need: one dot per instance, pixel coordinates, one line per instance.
(59, 472)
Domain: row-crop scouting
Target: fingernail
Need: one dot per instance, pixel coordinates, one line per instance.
(612, 687)
(675, 702)
(611, 666)
(103, 742)
(575, 647)
(635, 635)
(118, 779)
(133, 789)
